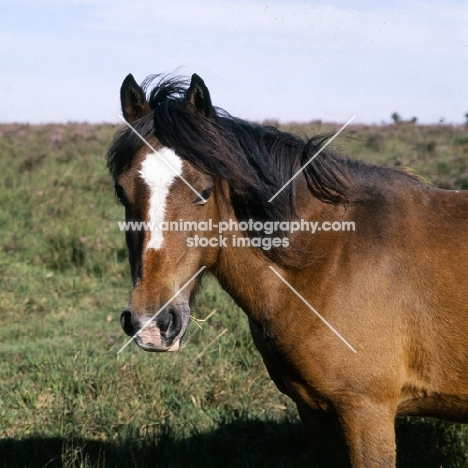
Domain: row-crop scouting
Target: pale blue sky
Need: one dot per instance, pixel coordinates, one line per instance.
(288, 60)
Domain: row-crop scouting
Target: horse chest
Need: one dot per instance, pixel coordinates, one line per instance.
(283, 372)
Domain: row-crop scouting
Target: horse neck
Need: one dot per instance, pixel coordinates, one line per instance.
(246, 272)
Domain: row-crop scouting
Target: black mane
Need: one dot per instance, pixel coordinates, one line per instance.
(256, 161)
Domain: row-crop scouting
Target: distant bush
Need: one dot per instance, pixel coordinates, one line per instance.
(396, 117)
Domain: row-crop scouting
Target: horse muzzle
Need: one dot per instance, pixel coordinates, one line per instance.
(163, 332)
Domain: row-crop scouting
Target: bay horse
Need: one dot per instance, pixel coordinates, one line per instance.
(395, 288)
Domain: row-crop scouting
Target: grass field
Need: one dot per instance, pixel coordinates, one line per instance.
(68, 400)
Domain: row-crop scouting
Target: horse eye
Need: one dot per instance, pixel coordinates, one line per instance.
(119, 193)
(205, 195)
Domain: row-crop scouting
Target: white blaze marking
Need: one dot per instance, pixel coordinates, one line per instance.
(159, 170)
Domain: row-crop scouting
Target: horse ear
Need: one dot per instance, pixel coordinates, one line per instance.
(133, 100)
(197, 98)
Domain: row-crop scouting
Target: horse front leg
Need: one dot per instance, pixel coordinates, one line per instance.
(369, 432)
(358, 437)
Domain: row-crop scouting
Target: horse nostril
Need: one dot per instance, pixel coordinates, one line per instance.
(163, 321)
(169, 322)
(126, 322)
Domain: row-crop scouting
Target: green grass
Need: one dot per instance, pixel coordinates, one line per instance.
(68, 400)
